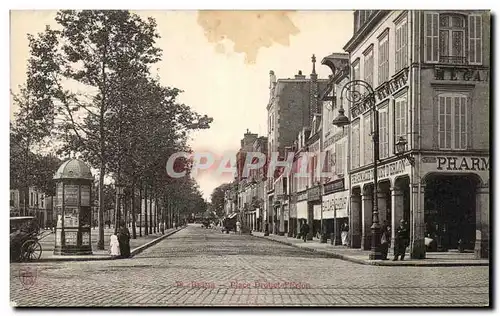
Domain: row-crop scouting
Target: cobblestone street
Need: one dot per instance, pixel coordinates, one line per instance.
(199, 266)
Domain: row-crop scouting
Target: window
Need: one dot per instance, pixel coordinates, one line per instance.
(445, 38)
(326, 163)
(383, 60)
(339, 159)
(431, 37)
(368, 140)
(369, 67)
(452, 121)
(355, 144)
(451, 39)
(401, 45)
(475, 43)
(355, 70)
(31, 198)
(384, 132)
(315, 169)
(400, 111)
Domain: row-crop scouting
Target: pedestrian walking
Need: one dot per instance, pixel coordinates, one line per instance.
(402, 240)
(114, 246)
(124, 240)
(304, 230)
(385, 241)
(344, 234)
(238, 227)
(162, 228)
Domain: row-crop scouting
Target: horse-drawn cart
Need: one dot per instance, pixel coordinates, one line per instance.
(24, 239)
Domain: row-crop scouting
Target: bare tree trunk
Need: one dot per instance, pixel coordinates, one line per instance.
(100, 241)
(150, 212)
(146, 210)
(117, 211)
(156, 213)
(169, 218)
(163, 212)
(134, 233)
(125, 208)
(140, 210)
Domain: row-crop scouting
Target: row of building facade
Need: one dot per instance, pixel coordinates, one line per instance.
(430, 75)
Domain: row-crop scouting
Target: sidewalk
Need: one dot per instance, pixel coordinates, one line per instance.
(136, 245)
(432, 259)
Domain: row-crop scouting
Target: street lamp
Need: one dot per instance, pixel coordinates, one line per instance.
(359, 93)
(401, 148)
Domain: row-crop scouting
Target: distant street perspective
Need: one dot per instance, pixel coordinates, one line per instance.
(204, 267)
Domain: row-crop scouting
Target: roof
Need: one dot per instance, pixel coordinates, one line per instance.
(74, 169)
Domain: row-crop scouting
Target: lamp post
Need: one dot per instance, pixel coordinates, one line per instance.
(360, 93)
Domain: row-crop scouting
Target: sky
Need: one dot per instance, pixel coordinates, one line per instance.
(221, 60)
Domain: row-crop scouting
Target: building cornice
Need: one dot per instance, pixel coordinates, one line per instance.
(363, 32)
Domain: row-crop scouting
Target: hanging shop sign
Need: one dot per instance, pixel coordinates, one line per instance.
(314, 193)
(335, 186)
(302, 196)
(335, 205)
(334, 138)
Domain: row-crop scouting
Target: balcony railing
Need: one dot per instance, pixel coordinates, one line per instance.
(455, 60)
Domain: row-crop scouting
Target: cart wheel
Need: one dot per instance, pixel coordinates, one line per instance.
(31, 250)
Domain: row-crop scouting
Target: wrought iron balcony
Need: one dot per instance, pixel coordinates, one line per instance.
(455, 60)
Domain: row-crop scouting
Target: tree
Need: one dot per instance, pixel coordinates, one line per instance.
(91, 47)
(32, 124)
(217, 198)
(125, 123)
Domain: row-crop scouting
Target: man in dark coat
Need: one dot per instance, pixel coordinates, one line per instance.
(385, 241)
(304, 230)
(124, 240)
(402, 240)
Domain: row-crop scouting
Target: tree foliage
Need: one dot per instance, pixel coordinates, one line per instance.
(91, 78)
(217, 198)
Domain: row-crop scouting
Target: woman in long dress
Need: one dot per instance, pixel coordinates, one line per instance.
(114, 246)
(344, 234)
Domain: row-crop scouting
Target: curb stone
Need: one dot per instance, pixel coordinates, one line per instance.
(376, 262)
(133, 252)
(153, 242)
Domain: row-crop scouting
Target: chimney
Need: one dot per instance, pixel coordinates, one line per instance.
(300, 75)
(272, 79)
